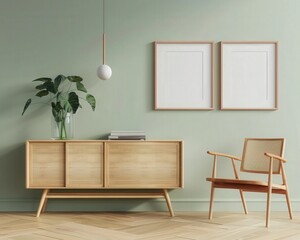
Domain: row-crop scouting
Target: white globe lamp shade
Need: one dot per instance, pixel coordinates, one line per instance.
(104, 72)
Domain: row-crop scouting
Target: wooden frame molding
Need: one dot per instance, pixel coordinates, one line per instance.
(184, 81)
(249, 75)
(48, 194)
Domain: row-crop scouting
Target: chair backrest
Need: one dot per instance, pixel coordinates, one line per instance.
(254, 160)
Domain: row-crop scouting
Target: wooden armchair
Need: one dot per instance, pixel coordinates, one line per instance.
(260, 155)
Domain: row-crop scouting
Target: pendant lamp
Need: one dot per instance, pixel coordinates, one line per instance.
(104, 71)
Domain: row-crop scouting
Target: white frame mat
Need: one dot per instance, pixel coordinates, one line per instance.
(249, 75)
(183, 75)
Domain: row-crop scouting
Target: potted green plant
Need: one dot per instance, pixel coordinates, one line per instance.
(64, 101)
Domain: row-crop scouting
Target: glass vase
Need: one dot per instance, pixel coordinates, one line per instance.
(62, 128)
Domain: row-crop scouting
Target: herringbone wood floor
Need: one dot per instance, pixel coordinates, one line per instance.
(147, 226)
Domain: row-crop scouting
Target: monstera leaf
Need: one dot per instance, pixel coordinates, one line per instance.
(74, 78)
(28, 102)
(91, 100)
(44, 79)
(80, 87)
(62, 95)
(42, 93)
(73, 101)
(58, 80)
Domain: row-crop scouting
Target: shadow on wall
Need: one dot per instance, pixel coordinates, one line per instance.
(12, 177)
(150, 75)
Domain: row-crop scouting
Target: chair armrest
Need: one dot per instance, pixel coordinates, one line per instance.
(224, 155)
(276, 157)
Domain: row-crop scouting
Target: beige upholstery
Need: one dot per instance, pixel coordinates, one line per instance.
(260, 155)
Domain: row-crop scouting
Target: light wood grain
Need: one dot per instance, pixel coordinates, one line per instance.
(42, 205)
(46, 165)
(95, 195)
(84, 165)
(143, 165)
(147, 226)
(123, 164)
(104, 165)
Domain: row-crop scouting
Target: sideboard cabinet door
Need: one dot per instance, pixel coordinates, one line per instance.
(84, 164)
(46, 165)
(143, 165)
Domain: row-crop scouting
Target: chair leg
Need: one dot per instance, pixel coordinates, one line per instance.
(268, 209)
(211, 201)
(269, 202)
(289, 204)
(286, 192)
(243, 201)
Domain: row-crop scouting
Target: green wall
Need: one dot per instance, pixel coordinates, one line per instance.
(51, 37)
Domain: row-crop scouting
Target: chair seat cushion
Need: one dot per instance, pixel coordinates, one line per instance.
(239, 182)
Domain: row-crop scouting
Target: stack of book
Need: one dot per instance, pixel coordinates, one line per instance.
(127, 135)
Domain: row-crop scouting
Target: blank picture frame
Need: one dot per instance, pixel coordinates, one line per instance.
(249, 75)
(183, 75)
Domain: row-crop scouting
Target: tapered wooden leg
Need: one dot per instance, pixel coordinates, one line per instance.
(212, 192)
(243, 201)
(45, 204)
(287, 192)
(168, 203)
(42, 201)
(268, 208)
(269, 193)
(289, 204)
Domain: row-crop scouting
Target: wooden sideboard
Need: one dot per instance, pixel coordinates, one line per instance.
(155, 166)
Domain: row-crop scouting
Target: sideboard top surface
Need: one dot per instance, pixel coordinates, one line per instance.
(112, 141)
